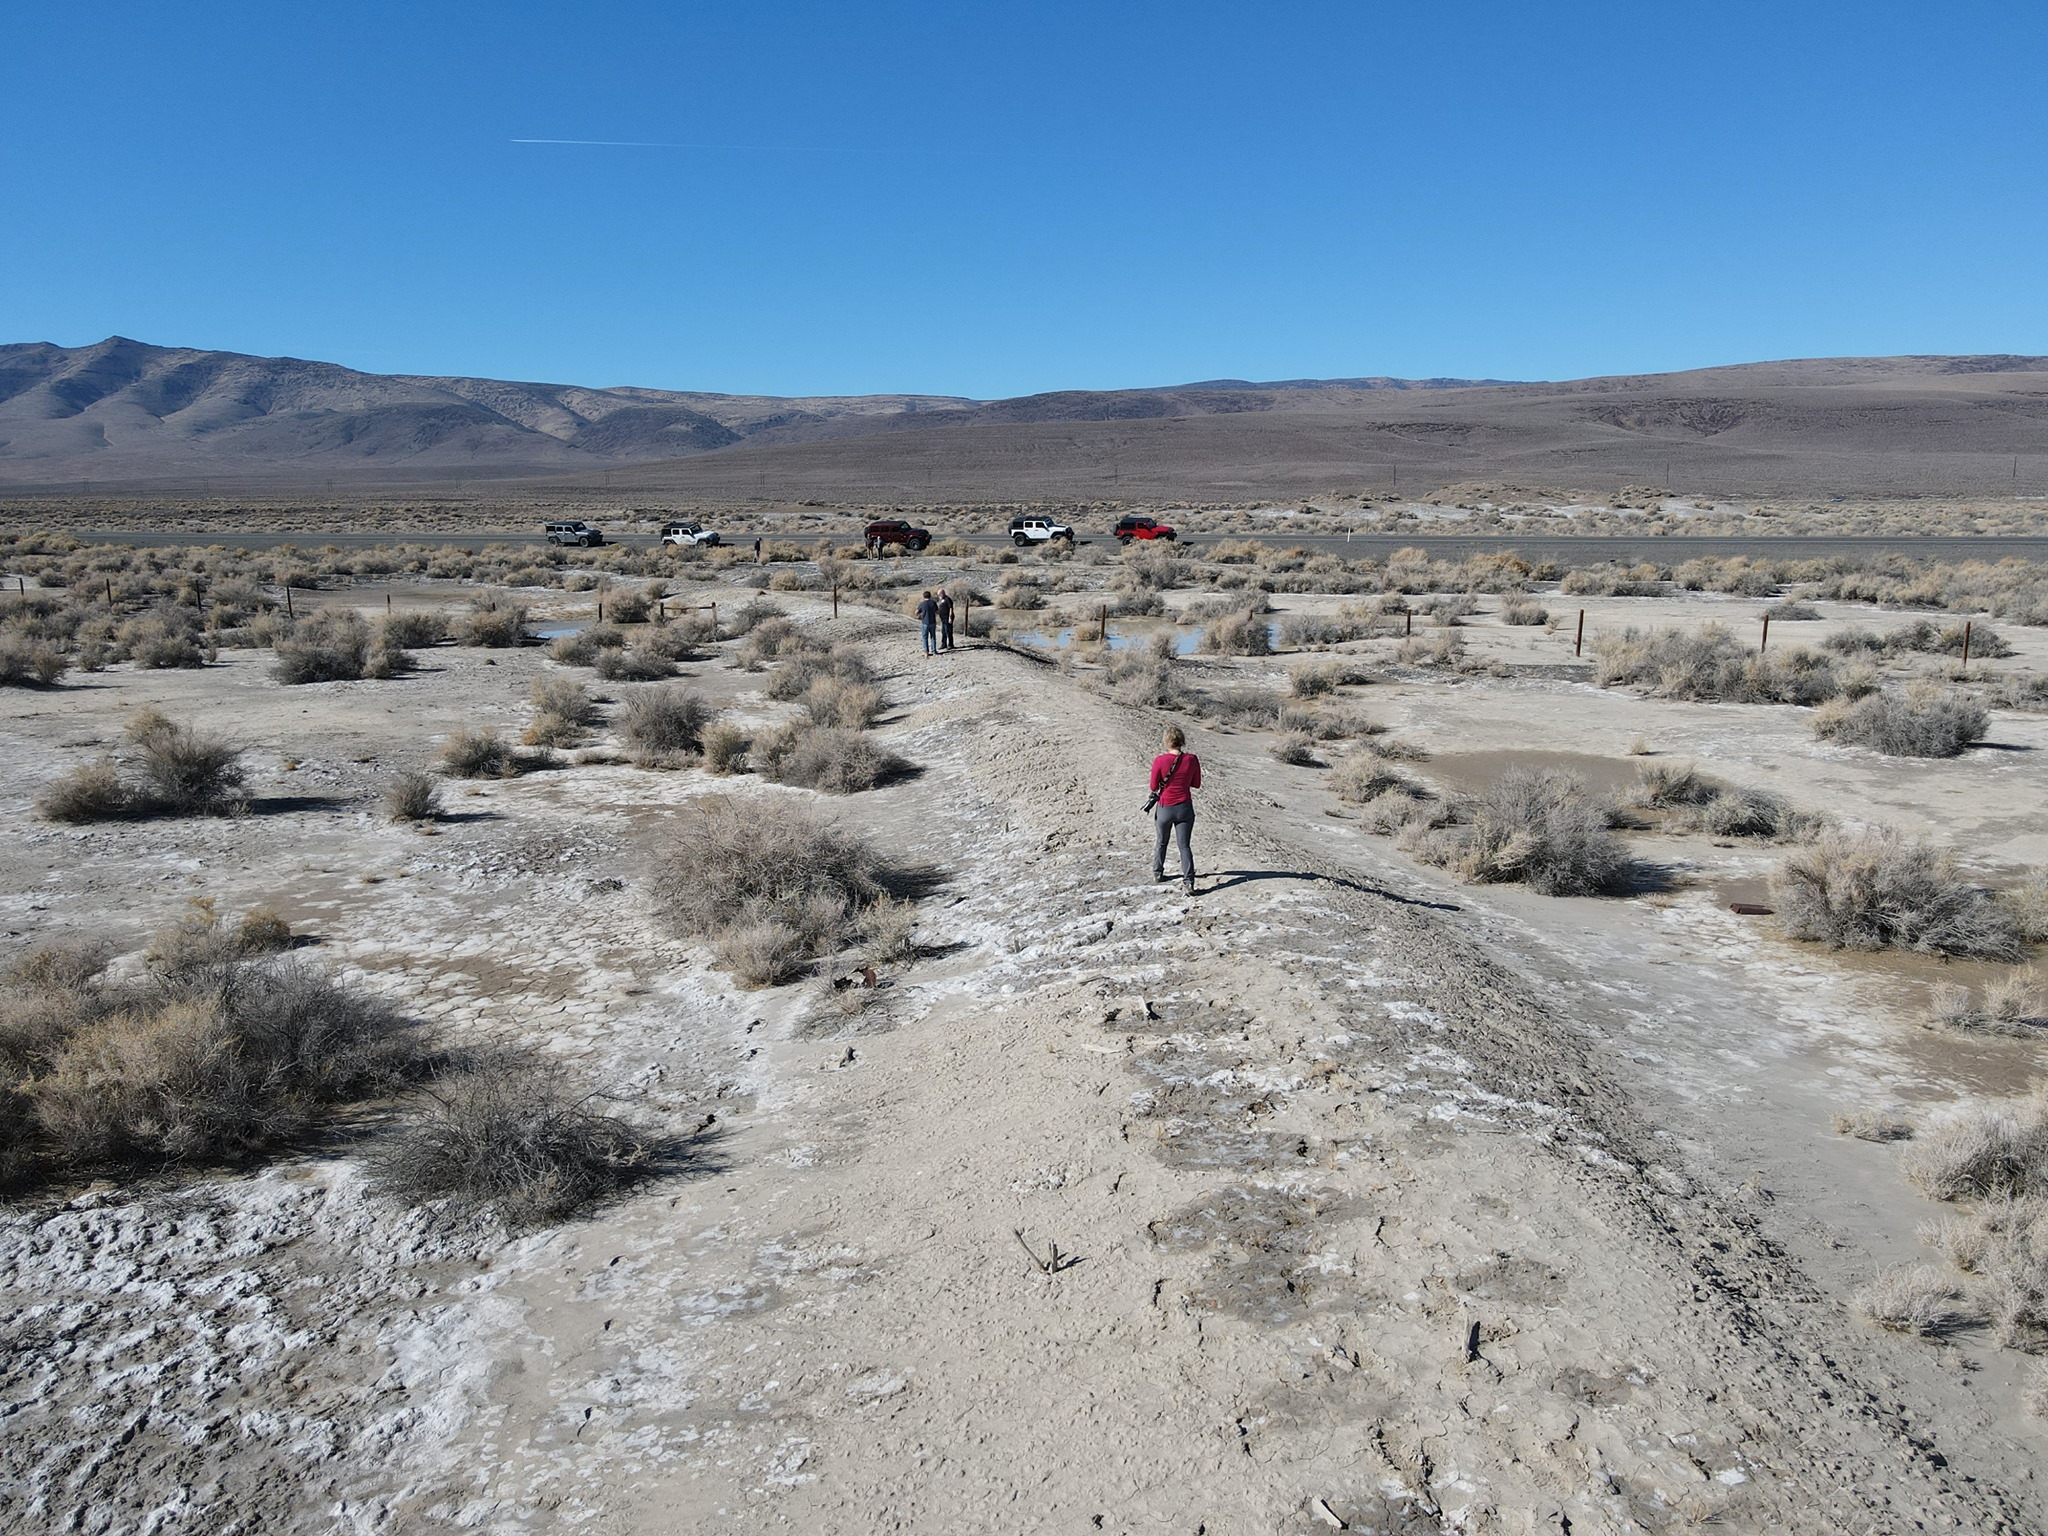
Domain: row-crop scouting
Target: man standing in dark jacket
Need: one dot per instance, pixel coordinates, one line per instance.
(928, 621)
(945, 619)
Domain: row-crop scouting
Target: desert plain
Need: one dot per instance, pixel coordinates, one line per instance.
(1415, 1172)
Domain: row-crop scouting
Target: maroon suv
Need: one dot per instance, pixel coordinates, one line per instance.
(1129, 528)
(896, 531)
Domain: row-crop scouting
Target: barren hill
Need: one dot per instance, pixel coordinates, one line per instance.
(123, 414)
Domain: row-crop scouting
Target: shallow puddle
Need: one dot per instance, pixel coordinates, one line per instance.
(1473, 773)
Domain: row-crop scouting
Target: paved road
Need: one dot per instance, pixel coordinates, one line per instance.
(1566, 550)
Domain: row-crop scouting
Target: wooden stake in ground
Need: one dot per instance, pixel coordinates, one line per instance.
(1580, 644)
(1966, 645)
(1765, 644)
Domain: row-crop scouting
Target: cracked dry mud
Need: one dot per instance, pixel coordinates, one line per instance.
(1373, 1216)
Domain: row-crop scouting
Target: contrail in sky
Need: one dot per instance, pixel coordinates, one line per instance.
(816, 149)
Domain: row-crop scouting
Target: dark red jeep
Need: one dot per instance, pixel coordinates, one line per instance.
(1129, 528)
(896, 531)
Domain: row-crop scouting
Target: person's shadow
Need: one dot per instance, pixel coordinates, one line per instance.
(1227, 878)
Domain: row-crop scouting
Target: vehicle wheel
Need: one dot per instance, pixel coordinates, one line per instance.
(919, 546)
(1124, 539)
(1019, 540)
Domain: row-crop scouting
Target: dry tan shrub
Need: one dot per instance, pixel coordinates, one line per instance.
(836, 761)
(1540, 829)
(414, 628)
(760, 873)
(888, 930)
(515, 1135)
(1368, 776)
(2028, 905)
(634, 664)
(1918, 722)
(184, 772)
(1915, 1298)
(562, 711)
(1873, 1125)
(1661, 785)
(842, 703)
(1297, 748)
(217, 1056)
(493, 622)
(1877, 889)
(664, 727)
(2017, 997)
(477, 753)
(413, 796)
(90, 792)
(1241, 634)
(1983, 1150)
(725, 749)
(263, 932)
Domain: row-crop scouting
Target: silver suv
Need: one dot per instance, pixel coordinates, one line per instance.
(577, 533)
(688, 535)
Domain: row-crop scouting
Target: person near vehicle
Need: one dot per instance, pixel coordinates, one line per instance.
(757, 551)
(928, 621)
(945, 619)
(1176, 774)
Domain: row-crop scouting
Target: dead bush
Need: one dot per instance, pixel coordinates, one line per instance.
(629, 605)
(1297, 748)
(478, 753)
(331, 645)
(1983, 1150)
(1873, 1125)
(887, 929)
(829, 758)
(1540, 829)
(562, 712)
(2027, 904)
(2018, 997)
(583, 648)
(1368, 776)
(1523, 610)
(1710, 665)
(1917, 1299)
(774, 885)
(514, 1135)
(1663, 785)
(1913, 722)
(725, 749)
(1877, 889)
(184, 772)
(842, 702)
(26, 659)
(664, 727)
(1241, 634)
(413, 796)
(633, 664)
(493, 622)
(90, 792)
(414, 629)
(264, 931)
(216, 1056)
(1753, 813)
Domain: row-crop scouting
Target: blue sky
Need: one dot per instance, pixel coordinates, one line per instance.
(991, 199)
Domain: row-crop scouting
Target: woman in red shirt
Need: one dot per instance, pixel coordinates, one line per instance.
(1176, 773)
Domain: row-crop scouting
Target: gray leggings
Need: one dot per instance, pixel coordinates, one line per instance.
(1178, 823)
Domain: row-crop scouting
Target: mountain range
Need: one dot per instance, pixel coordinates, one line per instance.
(127, 416)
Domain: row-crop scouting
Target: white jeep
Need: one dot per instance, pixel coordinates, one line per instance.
(1038, 530)
(688, 535)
